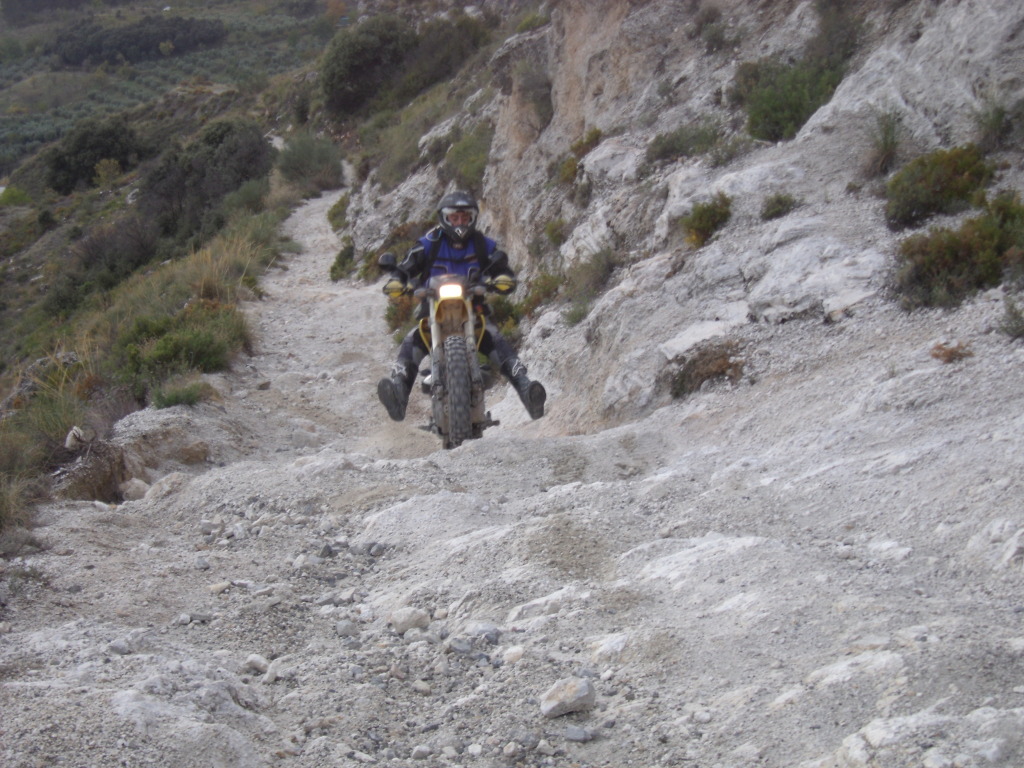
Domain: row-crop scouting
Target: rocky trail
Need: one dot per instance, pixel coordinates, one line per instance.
(817, 566)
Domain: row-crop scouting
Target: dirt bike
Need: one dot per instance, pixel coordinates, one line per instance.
(452, 331)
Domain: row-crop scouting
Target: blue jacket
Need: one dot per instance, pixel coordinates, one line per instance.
(456, 261)
(434, 254)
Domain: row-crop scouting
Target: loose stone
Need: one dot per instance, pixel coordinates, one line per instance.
(572, 694)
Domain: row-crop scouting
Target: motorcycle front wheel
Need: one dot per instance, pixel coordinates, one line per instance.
(458, 389)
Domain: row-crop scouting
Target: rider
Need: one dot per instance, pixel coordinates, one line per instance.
(456, 247)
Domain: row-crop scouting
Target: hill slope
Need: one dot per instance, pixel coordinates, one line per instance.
(817, 565)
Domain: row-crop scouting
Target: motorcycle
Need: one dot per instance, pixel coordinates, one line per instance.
(452, 330)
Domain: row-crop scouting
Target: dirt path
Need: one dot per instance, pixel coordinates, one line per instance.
(322, 346)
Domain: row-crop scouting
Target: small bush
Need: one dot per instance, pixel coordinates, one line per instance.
(686, 141)
(582, 147)
(534, 84)
(712, 31)
(728, 149)
(311, 161)
(428, 63)
(202, 337)
(398, 315)
(780, 97)
(466, 161)
(543, 289)
(14, 502)
(706, 16)
(940, 182)
(73, 162)
(531, 21)
(585, 280)
(777, 205)
(567, 170)
(250, 198)
(344, 261)
(1012, 323)
(706, 218)
(885, 143)
(992, 125)
(182, 194)
(557, 232)
(13, 196)
(713, 361)
(786, 96)
(188, 393)
(337, 215)
(944, 266)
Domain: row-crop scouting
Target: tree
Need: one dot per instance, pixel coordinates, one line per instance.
(182, 193)
(361, 59)
(90, 142)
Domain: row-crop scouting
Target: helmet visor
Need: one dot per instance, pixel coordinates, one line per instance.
(459, 217)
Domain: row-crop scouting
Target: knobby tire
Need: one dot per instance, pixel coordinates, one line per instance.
(459, 389)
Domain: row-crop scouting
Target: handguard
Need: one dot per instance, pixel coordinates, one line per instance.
(503, 284)
(394, 287)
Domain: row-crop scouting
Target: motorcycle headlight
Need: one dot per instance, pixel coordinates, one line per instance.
(450, 291)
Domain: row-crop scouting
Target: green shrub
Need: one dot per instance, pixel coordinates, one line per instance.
(311, 161)
(344, 261)
(585, 280)
(201, 337)
(384, 64)
(466, 161)
(534, 84)
(183, 192)
(712, 31)
(777, 205)
(73, 162)
(780, 97)
(999, 125)
(188, 393)
(543, 288)
(14, 196)
(940, 182)
(360, 60)
(582, 147)
(568, 169)
(695, 138)
(250, 198)
(429, 62)
(15, 497)
(944, 266)
(337, 215)
(786, 96)
(1012, 323)
(531, 21)
(557, 231)
(704, 219)
(398, 315)
(885, 143)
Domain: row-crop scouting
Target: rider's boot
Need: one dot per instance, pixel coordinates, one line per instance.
(532, 393)
(393, 391)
